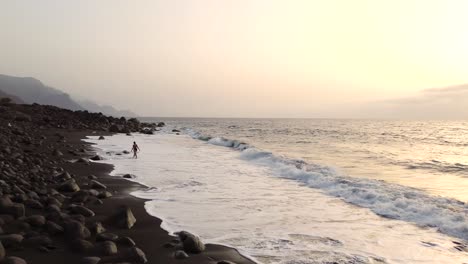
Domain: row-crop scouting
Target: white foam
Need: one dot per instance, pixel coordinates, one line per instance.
(225, 197)
(450, 216)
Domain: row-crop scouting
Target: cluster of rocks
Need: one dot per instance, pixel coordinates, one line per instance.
(43, 116)
(45, 208)
(42, 204)
(187, 244)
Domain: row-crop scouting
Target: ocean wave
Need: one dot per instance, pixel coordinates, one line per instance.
(435, 165)
(394, 201)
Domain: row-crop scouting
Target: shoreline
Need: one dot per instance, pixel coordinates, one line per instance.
(214, 252)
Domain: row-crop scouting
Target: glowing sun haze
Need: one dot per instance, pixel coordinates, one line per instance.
(242, 58)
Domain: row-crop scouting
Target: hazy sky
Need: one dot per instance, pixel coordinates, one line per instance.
(240, 58)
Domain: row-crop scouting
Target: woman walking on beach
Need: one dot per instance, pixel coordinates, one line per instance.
(135, 149)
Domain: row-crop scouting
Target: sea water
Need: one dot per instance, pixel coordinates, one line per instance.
(308, 191)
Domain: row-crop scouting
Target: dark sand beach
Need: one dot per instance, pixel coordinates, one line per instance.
(56, 204)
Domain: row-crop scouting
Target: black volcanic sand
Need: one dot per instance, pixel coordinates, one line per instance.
(39, 153)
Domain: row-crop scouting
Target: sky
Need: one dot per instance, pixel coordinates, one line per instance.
(243, 58)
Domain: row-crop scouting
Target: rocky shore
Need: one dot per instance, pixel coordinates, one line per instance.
(58, 206)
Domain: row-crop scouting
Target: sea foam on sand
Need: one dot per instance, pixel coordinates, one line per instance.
(234, 198)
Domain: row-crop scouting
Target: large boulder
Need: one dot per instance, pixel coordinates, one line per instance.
(14, 260)
(106, 248)
(69, 186)
(36, 220)
(76, 230)
(53, 228)
(107, 237)
(97, 228)
(180, 254)
(124, 218)
(191, 243)
(8, 207)
(11, 240)
(84, 211)
(97, 185)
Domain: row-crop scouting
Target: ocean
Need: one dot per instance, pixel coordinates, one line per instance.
(302, 191)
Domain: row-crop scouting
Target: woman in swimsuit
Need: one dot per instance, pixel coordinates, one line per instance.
(135, 149)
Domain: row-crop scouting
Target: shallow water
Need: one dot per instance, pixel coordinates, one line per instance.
(271, 210)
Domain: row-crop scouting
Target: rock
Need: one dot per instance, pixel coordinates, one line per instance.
(36, 220)
(97, 157)
(107, 248)
(97, 228)
(2, 252)
(53, 228)
(76, 230)
(126, 152)
(147, 131)
(97, 185)
(83, 160)
(93, 192)
(80, 197)
(84, 211)
(92, 177)
(82, 246)
(90, 260)
(191, 243)
(124, 218)
(128, 176)
(57, 153)
(69, 186)
(30, 234)
(53, 208)
(134, 255)
(104, 194)
(126, 241)
(180, 254)
(175, 130)
(34, 204)
(170, 245)
(137, 255)
(38, 241)
(17, 210)
(225, 262)
(53, 201)
(63, 176)
(14, 260)
(11, 240)
(101, 138)
(8, 207)
(107, 237)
